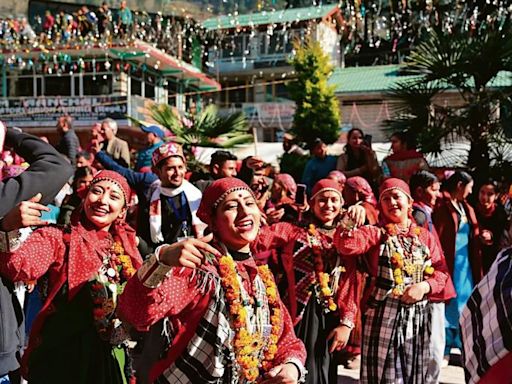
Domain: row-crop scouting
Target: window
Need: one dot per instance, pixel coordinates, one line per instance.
(275, 43)
(281, 91)
(149, 87)
(136, 86)
(57, 85)
(25, 86)
(101, 84)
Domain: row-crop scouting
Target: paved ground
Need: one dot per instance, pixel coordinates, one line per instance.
(453, 374)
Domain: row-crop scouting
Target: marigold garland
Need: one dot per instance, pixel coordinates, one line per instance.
(104, 303)
(322, 278)
(247, 346)
(403, 268)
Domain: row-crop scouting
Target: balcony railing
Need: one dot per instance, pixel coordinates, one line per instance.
(248, 63)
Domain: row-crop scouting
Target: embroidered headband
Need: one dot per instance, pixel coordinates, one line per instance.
(165, 151)
(116, 178)
(394, 183)
(216, 193)
(326, 185)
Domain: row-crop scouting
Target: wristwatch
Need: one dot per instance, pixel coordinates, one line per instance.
(10, 240)
(153, 272)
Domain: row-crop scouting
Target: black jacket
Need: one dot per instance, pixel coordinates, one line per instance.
(47, 174)
(69, 145)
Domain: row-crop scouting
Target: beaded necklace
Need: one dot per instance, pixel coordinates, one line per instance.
(410, 258)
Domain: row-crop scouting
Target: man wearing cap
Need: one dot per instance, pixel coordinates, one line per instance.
(167, 202)
(114, 146)
(154, 139)
(173, 199)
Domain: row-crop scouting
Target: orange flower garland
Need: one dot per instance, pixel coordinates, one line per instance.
(322, 278)
(401, 268)
(114, 277)
(247, 346)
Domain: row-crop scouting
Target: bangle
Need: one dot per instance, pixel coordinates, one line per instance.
(300, 368)
(347, 323)
(152, 273)
(9, 241)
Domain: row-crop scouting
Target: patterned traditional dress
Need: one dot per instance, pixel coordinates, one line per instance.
(194, 304)
(294, 265)
(68, 342)
(395, 344)
(486, 325)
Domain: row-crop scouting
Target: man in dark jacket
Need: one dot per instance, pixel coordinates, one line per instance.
(47, 173)
(69, 144)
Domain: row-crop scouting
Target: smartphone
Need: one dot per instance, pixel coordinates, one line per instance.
(300, 195)
(368, 140)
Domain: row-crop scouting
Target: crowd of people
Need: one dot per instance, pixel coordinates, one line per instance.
(90, 24)
(138, 270)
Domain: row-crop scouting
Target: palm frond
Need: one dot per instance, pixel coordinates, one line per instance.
(164, 115)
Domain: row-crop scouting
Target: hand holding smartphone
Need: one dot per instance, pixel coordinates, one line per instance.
(300, 195)
(368, 140)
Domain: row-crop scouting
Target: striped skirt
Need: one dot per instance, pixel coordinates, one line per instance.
(395, 346)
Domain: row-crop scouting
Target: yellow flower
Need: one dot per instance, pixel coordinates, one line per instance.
(397, 272)
(271, 292)
(429, 270)
(326, 291)
(332, 306)
(399, 280)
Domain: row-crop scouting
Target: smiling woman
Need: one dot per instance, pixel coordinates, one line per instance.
(81, 268)
(406, 270)
(229, 324)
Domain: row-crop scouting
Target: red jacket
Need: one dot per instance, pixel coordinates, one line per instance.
(446, 221)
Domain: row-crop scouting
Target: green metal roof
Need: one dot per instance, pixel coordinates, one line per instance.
(382, 78)
(269, 17)
(378, 78)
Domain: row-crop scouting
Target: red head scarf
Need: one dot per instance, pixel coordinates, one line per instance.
(288, 183)
(117, 179)
(326, 185)
(84, 259)
(215, 194)
(394, 183)
(359, 184)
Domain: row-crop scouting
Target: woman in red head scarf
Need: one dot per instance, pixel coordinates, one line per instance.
(358, 190)
(317, 286)
(77, 337)
(406, 268)
(281, 205)
(228, 323)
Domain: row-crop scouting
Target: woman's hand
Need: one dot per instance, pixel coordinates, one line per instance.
(274, 215)
(339, 336)
(486, 237)
(188, 253)
(358, 214)
(25, 214)
(282, 374)
(415, 292)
